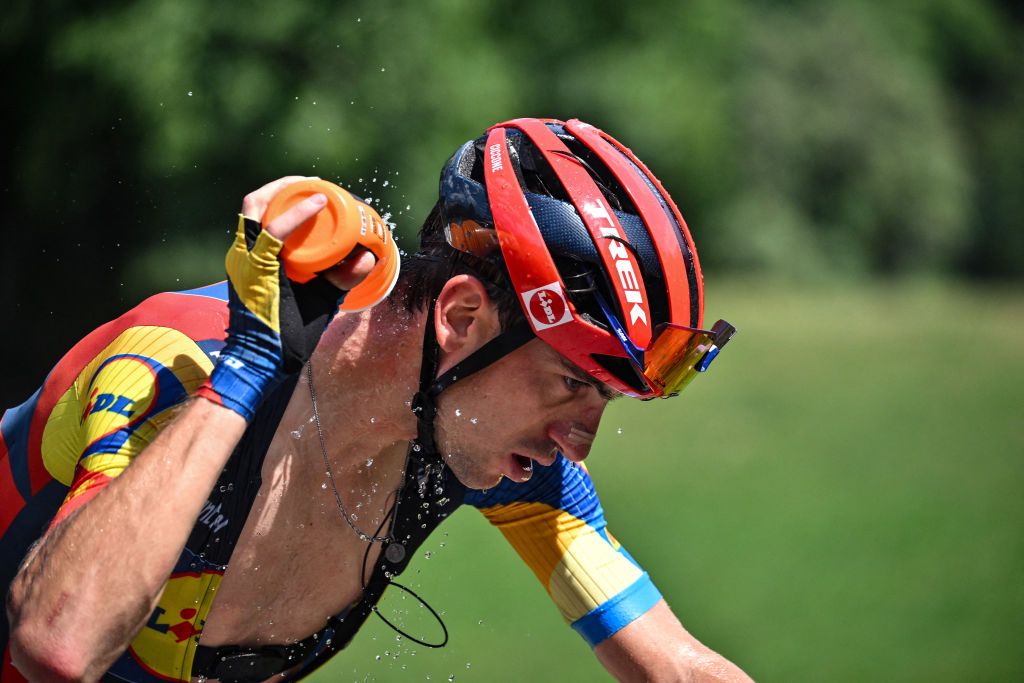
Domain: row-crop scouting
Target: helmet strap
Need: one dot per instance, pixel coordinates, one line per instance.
(424, 403)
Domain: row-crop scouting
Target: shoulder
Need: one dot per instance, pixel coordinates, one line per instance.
(107, 388)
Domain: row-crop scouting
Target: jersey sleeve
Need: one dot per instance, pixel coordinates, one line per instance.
(556, 524)
(116, 406)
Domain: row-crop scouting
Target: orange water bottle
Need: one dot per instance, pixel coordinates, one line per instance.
(331, 235)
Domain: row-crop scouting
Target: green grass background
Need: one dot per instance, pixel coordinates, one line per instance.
(839, 499)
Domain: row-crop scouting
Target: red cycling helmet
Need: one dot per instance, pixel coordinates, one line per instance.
(597, 252)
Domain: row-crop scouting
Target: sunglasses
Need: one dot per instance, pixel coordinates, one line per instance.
(675, 355)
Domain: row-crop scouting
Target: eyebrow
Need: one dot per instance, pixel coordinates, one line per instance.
(606, 392)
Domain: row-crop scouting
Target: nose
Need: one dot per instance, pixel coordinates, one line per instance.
(573, 439)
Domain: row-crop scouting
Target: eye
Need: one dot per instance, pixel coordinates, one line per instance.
(574, 384)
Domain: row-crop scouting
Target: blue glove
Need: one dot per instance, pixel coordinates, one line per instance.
(273, 326)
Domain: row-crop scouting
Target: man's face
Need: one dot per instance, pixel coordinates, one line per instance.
(520, 410)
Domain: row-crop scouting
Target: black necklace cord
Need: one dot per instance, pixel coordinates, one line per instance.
(376, 610)
(389, 582)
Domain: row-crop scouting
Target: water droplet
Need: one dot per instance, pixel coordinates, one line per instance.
(452, 677)
(473, 420)
(369, 462)
(619, 430)
(190, 93)
(323, 485)
(427, 555)
(458, 412)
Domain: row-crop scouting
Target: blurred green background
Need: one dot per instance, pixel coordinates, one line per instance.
(840, 499)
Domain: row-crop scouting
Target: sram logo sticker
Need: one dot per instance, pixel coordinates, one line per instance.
(547, 306)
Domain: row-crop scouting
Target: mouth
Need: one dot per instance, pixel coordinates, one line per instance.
(521, 468)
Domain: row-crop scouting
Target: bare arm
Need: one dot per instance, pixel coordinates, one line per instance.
(90, 584)
(656, 647)
(87, 588)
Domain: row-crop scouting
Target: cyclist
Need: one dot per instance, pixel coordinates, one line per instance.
(180, 501)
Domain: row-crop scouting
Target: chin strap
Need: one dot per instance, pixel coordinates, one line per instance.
(424, 403)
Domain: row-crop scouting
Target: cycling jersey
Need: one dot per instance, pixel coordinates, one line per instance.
(112, 393)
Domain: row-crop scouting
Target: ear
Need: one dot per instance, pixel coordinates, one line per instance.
(465, 319)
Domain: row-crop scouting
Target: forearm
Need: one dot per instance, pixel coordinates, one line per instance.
(656, 647)
(90, 584)
(679, 663)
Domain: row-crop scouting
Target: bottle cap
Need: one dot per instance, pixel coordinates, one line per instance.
(331, 235)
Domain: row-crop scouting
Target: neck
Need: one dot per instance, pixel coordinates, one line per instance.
(365, 372)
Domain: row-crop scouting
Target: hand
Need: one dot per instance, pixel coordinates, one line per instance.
(347, 273)
(274, 324)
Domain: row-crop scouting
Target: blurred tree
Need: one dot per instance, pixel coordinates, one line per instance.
(850, 159)
(978, 48)
(801, 138)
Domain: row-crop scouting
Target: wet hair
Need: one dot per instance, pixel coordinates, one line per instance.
(425, 273)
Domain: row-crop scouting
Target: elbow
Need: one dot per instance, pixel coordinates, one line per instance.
(38, 660)
(39, 652)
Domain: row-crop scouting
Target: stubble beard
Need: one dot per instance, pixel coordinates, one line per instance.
(469, 469)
